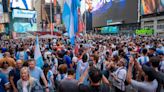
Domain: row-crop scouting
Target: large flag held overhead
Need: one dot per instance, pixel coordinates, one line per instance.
(37, 54)
(70, 18)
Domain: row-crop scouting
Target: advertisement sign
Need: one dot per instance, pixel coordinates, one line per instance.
(57, 18)
(4, 18)
(21, 4)
(145, 32)
(1, 10)
(116, 10)
(148, 7)
(14, 35)
(24, 27)
(23, 13)
(2, 28)
(48, 1)
(151, 6)
(160, 6)
(110, 29)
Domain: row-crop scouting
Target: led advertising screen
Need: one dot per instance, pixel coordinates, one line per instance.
(145, 32)
(21, 4)
(160, 6)
(115, 10)
(110, 29)
(148, 7)
(24, 27)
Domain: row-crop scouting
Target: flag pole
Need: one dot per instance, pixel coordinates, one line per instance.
(51, 17)
(85, 19)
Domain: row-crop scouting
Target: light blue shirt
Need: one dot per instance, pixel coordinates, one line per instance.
(36, 73)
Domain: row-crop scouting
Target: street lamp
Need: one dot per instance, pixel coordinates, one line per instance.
(51, 17)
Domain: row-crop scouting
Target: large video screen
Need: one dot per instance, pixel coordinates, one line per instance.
(114, 10)
(21, 4)
(110, 30)
(24, 27)
(148, 7)
(160, 6)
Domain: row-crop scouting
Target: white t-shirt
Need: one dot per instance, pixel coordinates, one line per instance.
(46, 54)
(24, 85)
(121, 75)
(115, 53)
(145, 86)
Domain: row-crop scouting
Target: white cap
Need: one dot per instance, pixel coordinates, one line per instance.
(74, 59)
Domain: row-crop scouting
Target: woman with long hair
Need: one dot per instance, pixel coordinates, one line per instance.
(28, 83)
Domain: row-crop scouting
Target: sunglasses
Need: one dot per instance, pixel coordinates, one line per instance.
(5, 62)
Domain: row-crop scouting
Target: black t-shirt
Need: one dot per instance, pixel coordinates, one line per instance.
(16, 74)
(99, 88)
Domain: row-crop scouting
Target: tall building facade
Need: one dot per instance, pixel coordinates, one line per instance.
(38, 6)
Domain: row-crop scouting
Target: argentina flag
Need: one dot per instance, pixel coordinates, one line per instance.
(37, 54)
(70, 18)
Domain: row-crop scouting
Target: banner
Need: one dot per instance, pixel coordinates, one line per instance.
(21, 4)
(1, 11)
(23, 13)
(55, 3)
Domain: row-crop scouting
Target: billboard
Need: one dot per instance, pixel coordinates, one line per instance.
(2, 28)
(21, 4)
(115, 10)
(23, 13)
(4, 18)
(1, 11)
(110, 29)
(145, 32)
(160, 5)
(148, 7)
(20, 27)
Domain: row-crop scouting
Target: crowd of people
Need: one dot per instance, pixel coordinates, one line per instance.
(96, 63)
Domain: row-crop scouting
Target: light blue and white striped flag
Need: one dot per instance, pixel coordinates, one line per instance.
(37, 54)
(70, 18)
